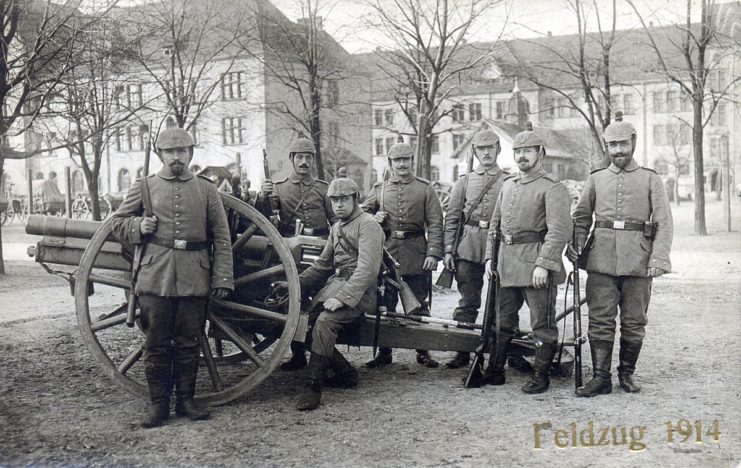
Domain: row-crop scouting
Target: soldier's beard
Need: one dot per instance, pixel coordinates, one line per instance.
(177, 169)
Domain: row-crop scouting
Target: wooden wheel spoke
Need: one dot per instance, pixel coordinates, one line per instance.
(130, 360)
(111, 321)
(118, 310)
(238, 341)
(213, 372)
(258, 275)
(243, 238)
(110, 281)
(249, 310)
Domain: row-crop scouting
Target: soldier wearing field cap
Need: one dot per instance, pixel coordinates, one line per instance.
(302, 199)
(472, 202)
(409, 211)
(348, 270)
(187, 257)
(532, 213)
(628, 247)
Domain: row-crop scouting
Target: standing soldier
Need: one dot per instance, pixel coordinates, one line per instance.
(533, 214)
(407, 208)
(629, 247)
(187, 228)
(472, 202)
(348, 269)
(301, 199)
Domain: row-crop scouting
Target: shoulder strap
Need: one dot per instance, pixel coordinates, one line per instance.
(146, 197)
(346, 245)
(488, 185)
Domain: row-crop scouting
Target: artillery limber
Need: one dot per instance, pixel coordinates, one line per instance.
(247, 334)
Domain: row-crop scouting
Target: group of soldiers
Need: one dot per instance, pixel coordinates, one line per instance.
(621, 228)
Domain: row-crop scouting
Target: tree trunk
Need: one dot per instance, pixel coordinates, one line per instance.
(94, 198)
(697, 134)
(424, 147)
(2, 260)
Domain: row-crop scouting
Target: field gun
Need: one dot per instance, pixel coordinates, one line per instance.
(246, 335)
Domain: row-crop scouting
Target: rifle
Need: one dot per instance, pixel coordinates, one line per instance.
(445, 280)
(272, 198)
(380, 308)
(476, 371)
(577, 317)
(138, 253)
(409, 301)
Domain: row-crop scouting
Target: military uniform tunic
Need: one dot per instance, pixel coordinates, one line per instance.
(618, 259)
(472, 245)
(533, 210)
(301, 199)
(350, 276)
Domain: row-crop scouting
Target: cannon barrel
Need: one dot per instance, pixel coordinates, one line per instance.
(61, 227)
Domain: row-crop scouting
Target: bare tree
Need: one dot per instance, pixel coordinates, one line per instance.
(36, 51)
(430, 59)
(685, 62)
(678, 158)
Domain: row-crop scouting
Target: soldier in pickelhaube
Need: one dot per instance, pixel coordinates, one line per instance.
(348, 268)
(409, 211)
(628, 247)
(472, 202)
(177, 272)
(302, 199)
(532, 213)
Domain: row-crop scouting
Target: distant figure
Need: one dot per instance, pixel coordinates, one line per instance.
(342, 172)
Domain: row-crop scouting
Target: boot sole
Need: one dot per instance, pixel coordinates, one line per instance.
(629, 389)
(590, 395)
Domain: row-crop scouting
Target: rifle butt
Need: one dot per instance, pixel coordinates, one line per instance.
(475, 375)
(409, 301)
(445, 280)
(131, 310)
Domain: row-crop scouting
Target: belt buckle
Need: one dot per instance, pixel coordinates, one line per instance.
(309, 231)
(618, 224)
(399, 234)
(484, 224)
(179, 244)
(507, 239)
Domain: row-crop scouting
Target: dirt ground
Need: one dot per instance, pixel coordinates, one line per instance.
(57, 408)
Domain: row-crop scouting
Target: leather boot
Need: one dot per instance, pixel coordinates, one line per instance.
(498, 353)
(383, 358)
(312, 393)
(601, 383)
(185, 390)
(345, 374)
(298, 357)
(628, 357)
(461, 359)
(541, 380)
(158, 383)
(424, 358)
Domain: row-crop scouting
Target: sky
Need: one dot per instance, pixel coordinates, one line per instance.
(347, 20)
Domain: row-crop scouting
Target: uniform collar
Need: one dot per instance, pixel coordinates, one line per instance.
(394, 179)
(494, 170)
(357, 212)
(298, 180)
(165, 174)
(630, 167)
(529, 177)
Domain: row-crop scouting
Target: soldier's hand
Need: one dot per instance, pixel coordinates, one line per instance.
(489, 267)
(267, 187)
(654, 272)
(572, 254)
(148, 225)
(333, 304)
(449, 262)
(380, 216)
(220, 293)
(279, 288)
(540, 277)
(430, 263)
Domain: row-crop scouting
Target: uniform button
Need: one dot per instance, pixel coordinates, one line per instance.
(177, 222)
(177, 196)
(177, 232)
(177, 214)
(177, 206)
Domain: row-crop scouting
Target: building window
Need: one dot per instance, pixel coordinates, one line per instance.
(658, 98)
(474, 112)
(389, 116)
(232, 131)
(550, 110)
(563, 109)
(499, 113)
(231, 86)
(434, 174)
(685, 134)
(628, 105)
(672, 101)
(658, 134)
(128, 96)
(130, 138)
(685, 103)
(717, 80)
(389, 143)
(718, 119)
(378, 117)
(458, 140)
(334, 134)
(458, 113)
(379, 146)
(78, 182)
(435, 143)
(413, 116)
(714, 148)
(124, 180)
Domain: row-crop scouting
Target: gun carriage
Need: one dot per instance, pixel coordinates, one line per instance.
(247, 334)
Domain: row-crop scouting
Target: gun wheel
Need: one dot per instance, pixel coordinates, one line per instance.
(245, 336)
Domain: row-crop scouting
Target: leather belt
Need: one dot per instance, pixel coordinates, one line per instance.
(178, 244)
(405, 234)
(526, 237)
(344, 273)
(619, 225)
(481, 224)
(289, 230)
